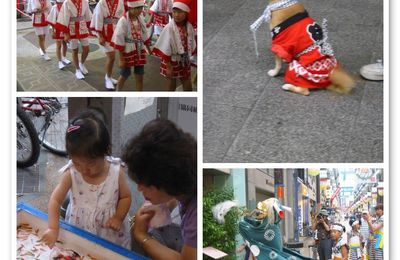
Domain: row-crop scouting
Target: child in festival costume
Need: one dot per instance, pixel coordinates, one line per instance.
(40, 10)
(58, 35)
(175, 46)
(99, 194)
(160, 12)
(339, 248)
(354, 240)
(73, 20)
(104, 20)
(299, 40)
(130, 39)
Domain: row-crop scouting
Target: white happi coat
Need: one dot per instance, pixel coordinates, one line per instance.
(104, 21)
(122, 38)
(72, 22)
(52, 20)
(169, 45)
(161, 10)
(39, 17)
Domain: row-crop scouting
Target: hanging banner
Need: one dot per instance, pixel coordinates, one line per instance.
(337, 191)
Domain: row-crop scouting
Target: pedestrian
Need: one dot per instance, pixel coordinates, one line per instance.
(354, 240)
(73, 20)
(175, 46)
(340, 249)
(40, 10)
(160, 12)
(130, 39)
(104, 20)
(364, 229)
(58, 36)
(375, 242)
(99, 193)
(321, 225)
(162, 160)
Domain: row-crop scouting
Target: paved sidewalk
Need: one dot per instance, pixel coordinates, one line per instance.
(36, 74)
(248, 118)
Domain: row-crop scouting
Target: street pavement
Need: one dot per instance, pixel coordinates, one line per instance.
(36, 74)
(248, 118)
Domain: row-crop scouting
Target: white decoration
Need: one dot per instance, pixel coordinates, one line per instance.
(255, 250)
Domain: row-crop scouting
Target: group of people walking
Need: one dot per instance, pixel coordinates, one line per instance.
(364, 240)
(120, 26)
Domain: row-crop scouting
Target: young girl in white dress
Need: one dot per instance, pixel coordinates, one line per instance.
(99, 194)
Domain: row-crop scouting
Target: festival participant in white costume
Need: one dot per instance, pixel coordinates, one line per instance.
(340, 250)
(40, 10)
(160, 12)
(74, 20)
(58, 36)
(104, 20)
(131, 39)
(175, 46)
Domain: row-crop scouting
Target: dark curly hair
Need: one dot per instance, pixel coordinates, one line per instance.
(163, 156)
(88, 136)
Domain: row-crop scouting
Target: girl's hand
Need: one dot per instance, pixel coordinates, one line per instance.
(66, 37)
(50, 237)
(141, 226)
(114, 223)
(121, 63)
(102, 41)
(169, 70)
(149, 51)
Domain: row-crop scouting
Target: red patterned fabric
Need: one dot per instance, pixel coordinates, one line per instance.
(311, 69)
(181, 68)
(133, 58)
(136, 57)
(160, 20)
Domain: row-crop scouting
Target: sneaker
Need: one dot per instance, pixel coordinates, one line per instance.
(114, 81)
(83, 68)
(372, 71)
(79, 75)
(61, 65)
(46, 57)
(66, 61)
(41, 52)
(109, 85)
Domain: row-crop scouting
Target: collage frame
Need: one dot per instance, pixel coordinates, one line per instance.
(389, 163)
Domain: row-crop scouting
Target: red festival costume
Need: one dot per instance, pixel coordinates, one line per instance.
(106, 16)
(74, 18)
(300, 41)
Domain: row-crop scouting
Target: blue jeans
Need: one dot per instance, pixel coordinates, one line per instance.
(325, 249)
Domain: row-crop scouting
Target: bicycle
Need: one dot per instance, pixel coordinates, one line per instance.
(49, 115)
(28, 145)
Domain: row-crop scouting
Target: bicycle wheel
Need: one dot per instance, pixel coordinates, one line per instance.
(53, 136)
(28, 147)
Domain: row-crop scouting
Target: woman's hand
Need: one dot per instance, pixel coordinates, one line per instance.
(50, 237)
(141, 226)
(114, 223)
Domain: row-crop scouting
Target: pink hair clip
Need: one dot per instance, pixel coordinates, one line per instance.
(73, 128)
